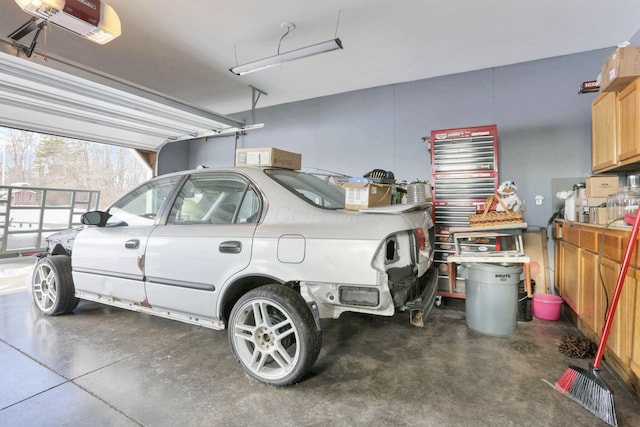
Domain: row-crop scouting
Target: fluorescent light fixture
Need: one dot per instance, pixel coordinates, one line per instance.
(272, 61)
(91, 19)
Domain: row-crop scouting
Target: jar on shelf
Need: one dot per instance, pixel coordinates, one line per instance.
(622, 203)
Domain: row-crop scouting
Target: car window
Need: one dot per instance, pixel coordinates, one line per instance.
(250, 208)
(215, 198)
(310, 188)
(141, 206)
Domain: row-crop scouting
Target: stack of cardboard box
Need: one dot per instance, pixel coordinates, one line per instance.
(591, 201)
(620, 69)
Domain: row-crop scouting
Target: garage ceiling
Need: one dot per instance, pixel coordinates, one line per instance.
(184, 49)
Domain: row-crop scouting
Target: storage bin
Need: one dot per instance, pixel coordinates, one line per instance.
(492, 297)
(547, 306)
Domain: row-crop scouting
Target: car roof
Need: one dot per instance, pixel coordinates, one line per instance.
(249, 170)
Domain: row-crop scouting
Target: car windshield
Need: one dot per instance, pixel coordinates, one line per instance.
(309, 188)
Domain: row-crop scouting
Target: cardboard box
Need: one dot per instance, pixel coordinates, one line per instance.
(570, 209)
(620, 68)
(598, 216)
(596, 201)
(360, 195)
(268, 157)
(601, 186)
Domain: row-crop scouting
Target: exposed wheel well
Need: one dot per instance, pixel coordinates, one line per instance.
(244, 285)
(59, 250)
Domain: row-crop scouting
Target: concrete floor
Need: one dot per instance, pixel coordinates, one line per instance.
(103, 366)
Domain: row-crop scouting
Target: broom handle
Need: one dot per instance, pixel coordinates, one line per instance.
(616, 294)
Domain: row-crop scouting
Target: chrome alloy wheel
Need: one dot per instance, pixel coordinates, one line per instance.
(45, 287)
(52, 286)
(266, 339)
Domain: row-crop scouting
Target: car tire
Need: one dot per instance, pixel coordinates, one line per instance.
(273, 335)
(52, 285)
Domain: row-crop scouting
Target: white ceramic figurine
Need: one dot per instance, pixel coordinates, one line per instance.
(507, 191)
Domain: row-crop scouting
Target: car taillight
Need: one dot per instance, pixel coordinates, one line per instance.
(421, 238)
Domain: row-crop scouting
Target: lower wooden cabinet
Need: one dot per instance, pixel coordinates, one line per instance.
(616, 342)
(589, 289)
(634, 295)
(570, 277)
(587, 270)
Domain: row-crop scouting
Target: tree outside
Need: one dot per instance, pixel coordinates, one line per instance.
(56, 162)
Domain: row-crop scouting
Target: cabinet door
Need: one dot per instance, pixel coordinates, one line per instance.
(634, 319)
(589, 277)
(559, 268)
(620, 336)
(628, 130)
(570, 280)
(603, 126)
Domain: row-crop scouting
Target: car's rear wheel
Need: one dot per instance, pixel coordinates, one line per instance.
(273, 335)
(52, 287)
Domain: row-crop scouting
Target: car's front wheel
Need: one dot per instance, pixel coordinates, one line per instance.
(52, 287)
(273, 335)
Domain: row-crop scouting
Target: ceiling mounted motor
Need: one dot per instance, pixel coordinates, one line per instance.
(91, 19)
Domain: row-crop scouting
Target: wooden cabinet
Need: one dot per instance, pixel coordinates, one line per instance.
(627, 124)
(569, 279)
(617, 341)
(634, 320)
(589, 273)
(615, 126)
(570, 258)
(603, 130)
(588, 261)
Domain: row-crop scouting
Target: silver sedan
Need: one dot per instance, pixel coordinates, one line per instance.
(263, 252)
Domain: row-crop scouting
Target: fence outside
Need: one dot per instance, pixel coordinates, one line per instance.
(29, 214)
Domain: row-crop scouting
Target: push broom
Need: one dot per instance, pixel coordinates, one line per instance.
(585, 385)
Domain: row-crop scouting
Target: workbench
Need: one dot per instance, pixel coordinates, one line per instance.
(509, 249)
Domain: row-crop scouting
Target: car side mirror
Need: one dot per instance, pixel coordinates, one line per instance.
(98, 218)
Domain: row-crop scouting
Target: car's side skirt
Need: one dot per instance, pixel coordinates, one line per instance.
(129, 305)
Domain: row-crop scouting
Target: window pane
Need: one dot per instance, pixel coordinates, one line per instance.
(211, 198)
(250, 208)
(310, 188)
(141, 206)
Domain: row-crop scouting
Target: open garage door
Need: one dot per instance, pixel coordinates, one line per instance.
(42, 99)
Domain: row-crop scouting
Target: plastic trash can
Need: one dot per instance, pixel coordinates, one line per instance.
(492, 297)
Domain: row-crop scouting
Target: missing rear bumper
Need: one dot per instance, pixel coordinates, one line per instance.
(420, 308)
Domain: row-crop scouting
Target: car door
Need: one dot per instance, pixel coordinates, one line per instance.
(108, 261)
(207, 239)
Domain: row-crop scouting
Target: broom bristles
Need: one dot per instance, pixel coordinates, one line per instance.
(565, 382)
(587, 388)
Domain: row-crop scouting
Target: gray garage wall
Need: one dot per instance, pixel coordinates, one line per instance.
(544, 126)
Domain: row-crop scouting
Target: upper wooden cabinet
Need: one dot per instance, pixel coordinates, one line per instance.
(603, 130)
(627, 123)
(615, 126)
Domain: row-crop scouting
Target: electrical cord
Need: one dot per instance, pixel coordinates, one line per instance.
(601, 276)
(556, 214)
(289, 28)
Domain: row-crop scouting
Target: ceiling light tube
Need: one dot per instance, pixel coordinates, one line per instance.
(272, 61)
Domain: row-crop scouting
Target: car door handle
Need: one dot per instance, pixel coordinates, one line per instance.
(230, 247)
(132, 244)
